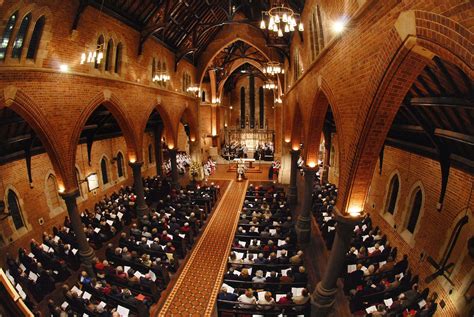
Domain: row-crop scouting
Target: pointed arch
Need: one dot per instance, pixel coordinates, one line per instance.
(104, 170)
(411, 46)
(120, 165)
(189, 118)
(117, 109)
(18, 101)
(168, 129)
(7, 34)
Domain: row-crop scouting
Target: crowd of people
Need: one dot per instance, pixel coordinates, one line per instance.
(136, 267)
(263, 151)
(266, 271)
(377, 281)
(183, 161)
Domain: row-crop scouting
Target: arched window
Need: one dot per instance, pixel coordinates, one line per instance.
(79, 182)
(118, 58)
(320, 29)
(36, 38)
(103, 169)
(52, 192)
(203, 96)
(20, 37)
(120, 172)
(100, 46)
(108, 56)
(7, 34)
(150, 153)
(392, 195)
(415, 210)
(15, 210)
(242, 107)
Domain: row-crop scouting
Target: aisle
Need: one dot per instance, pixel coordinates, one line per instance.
(196, 289)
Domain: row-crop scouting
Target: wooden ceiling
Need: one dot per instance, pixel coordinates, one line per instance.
(185, 26)
(437, 116)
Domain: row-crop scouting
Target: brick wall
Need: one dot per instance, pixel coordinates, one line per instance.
(434, 227)
(33, 197)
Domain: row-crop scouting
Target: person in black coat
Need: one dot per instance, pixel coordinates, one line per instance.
(224, 295)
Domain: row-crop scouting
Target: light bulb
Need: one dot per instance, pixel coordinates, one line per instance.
(292, 28)
(287, 28)
(280, 33)
(338, 26)
(284, 18)
(275, 28)
(301, 27)
(272, 20)
(83, 58)
(277, 19)
(262, 25)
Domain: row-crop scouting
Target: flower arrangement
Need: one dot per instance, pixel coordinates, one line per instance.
(194, 170)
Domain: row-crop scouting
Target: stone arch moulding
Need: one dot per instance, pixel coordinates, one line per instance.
(27, 225)
(115, 106)
(321, 101)
(411, 47)
(383, 211)
(24, 106)
(409, 237)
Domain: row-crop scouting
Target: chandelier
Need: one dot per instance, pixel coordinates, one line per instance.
(281, 19)
(273, 68)
(270, 85)
(161, 76)
(193, 89)
(93, 57)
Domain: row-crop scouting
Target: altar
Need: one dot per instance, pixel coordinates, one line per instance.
(249, 164)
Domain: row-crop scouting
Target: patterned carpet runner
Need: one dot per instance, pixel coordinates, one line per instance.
(196, 289)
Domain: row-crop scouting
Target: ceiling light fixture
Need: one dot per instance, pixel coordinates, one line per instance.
(273, 68)
(339, 26)
(281, 19)
(270, 85)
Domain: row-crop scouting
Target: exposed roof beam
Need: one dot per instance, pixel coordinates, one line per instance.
(408, 128)
(15, 139)
(456, 136)
(442, 102)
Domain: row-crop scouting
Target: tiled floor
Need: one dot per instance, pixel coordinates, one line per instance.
(195, 291)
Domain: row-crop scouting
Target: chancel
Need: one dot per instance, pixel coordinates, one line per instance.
(236, 158)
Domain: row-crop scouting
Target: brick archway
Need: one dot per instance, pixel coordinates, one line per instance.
(23, 105)
(168, 131)
(414, 45)
(323, 100)
(190, 119)
(297, 128)
(117, 109)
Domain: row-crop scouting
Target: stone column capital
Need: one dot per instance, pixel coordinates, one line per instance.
(295, 152)
(69, 195)
(310, 170)
(135, 164)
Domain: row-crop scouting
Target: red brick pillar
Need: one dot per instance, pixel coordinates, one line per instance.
(86, 253)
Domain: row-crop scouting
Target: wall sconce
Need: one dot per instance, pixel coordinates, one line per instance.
(354, 211)
(312, 164)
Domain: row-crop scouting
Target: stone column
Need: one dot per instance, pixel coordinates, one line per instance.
(324, 296)
(86, 253)
(292, 195)
(303, 225)
(174, 167)
(158, 150)
(141, 206)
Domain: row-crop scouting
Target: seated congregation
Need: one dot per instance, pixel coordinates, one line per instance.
(135, 257)
(377, 280)
(266, 272)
